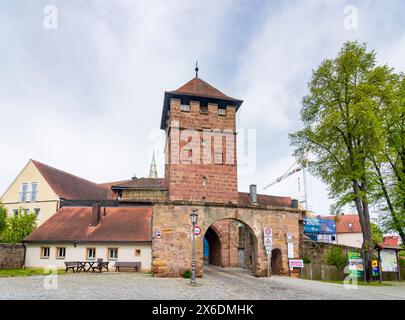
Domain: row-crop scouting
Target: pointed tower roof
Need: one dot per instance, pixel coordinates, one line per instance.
(198, 90)
(153, 171)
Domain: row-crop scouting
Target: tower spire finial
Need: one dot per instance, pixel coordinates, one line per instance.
(153, 171)
(196, 69)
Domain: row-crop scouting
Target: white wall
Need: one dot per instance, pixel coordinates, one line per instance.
(350, 239)
(126, 252)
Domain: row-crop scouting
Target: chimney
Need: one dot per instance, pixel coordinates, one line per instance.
(95, 214)
(253, 193)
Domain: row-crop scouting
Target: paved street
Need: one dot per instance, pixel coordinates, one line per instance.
(217, 284)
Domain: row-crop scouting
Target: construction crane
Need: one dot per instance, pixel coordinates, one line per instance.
(292, 171)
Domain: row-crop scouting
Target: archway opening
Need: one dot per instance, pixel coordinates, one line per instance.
(276, 261)
(230, 243)
(212, 248)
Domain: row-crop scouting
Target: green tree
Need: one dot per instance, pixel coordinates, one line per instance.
(376, 233)
(19, 226)
(336, 257)
(342, 128)
(3, 219)
(389, 164)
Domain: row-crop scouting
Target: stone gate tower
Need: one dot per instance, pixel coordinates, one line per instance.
(200, 125)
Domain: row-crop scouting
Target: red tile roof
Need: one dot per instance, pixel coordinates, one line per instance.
(391, 240)
(108, 185)
(143, 183)
(70, 187)
(119, 224)
(265, 200)
(198, 87)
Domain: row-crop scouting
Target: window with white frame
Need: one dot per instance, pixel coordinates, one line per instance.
(24, 192)
(15, 212)
(45, 252)
(61, 253)
(37, 210)
(113, 253)
(91, 253)
(34, 191)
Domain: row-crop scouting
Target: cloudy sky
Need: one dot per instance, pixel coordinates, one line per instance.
(87, 96)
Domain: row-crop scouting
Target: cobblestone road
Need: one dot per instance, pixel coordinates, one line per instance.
(217, 284)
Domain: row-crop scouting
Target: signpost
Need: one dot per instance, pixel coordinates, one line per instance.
(356, 265)
(268, 244)
(374, 265)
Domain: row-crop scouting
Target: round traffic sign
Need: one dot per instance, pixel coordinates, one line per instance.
(197, 230)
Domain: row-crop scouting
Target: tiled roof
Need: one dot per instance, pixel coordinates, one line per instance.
(200, 88)
(391, 240)
(72, 224)
(265, 200)
(108, 185)
(68, 186)
(143, 183)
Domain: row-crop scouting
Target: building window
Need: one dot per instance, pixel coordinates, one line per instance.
(60, 253)
(91, 253)
(137, 253)
(204, 109)
(15, 212)
(222, 112)
(37, 210)
(218, 158)
(24, 192)
(26, 211)
(45, 252)
(34, 191)
(113, 253)
(185, 107)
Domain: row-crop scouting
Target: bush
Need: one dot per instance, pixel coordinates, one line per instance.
(306, 260)
(187, 274)
(336, 257)
(19, 226)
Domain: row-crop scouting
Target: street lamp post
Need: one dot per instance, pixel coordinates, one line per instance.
(193, 217)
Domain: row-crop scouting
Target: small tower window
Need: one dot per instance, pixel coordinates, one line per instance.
(204, 109)
(204, 182)
(185, 108)
(222, 112)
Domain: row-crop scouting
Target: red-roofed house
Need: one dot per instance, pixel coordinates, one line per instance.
(40, 188)
(84, 233)
(348, 230)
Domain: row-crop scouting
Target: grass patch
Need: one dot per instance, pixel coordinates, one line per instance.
(24, 272)
(362, 283)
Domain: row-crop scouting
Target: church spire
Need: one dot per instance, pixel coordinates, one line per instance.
(153, 171)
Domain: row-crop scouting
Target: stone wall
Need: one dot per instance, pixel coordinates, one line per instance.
(171, 253)
(11, 256)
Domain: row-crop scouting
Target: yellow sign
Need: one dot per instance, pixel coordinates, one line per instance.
(374, 263)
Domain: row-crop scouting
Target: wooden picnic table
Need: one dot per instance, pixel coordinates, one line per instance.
(82, 265)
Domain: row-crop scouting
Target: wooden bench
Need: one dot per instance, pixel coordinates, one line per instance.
(127, 265)
(71, 265)
(100, 265)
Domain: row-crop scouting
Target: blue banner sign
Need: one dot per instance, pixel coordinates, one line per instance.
(315, 226)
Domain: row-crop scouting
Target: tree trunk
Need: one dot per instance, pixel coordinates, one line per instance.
(364, 218)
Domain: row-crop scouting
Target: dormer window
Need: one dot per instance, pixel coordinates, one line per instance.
(350, 225)
(185, 107)
(222, 112)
